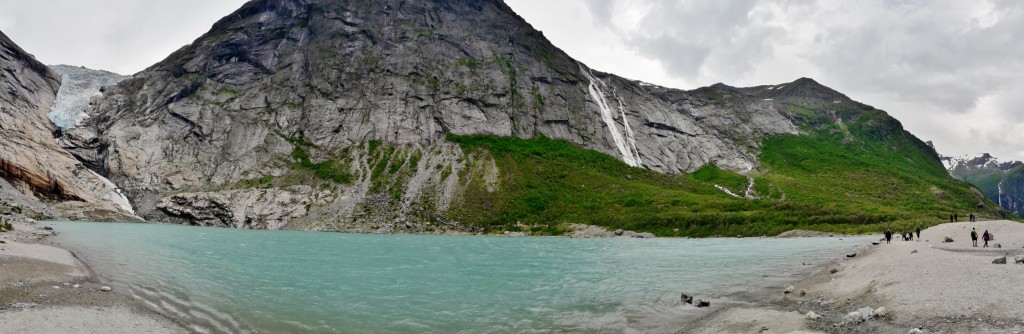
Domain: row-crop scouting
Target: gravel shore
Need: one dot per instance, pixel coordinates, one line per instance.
(45, 289)
(921, 286)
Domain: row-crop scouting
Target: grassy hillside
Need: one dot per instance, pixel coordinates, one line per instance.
(860, 175)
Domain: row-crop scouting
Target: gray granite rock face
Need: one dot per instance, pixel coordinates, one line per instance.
(51, 182)
(230, 107)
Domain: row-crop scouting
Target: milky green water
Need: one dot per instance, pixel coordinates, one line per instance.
(227, 280)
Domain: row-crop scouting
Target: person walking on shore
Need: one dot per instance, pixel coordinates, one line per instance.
(974, 237)
(888, 236)
(985, 237)
(918, 233)
(951, 218)
(955, 218)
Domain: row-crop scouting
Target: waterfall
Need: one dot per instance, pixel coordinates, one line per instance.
(630, 155)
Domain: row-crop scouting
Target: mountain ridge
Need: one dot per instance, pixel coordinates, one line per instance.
(366, 116)
(40, 179)
(1001, 181)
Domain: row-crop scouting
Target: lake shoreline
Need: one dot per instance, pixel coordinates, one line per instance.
(830, 288)
(925, 285)
(40, 283)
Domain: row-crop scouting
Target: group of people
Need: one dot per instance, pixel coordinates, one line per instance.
(953, 218)
(908, 236)
(984, 237)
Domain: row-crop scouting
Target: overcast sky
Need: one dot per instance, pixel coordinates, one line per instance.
(950, 71)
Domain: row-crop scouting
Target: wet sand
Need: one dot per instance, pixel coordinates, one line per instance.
(45, 289)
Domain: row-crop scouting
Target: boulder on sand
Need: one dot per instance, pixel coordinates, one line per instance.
(1018, 259)
(789, 290)
(702, 303)
(948, 239)
(1001, 260)
(686, 298)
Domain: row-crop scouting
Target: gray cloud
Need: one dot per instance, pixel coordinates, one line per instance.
(686, 36)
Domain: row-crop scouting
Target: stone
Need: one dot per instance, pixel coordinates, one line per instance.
(874, 242)
(47, 228)
(867, 312)
(788, 290)
(803, 293)
(812, 316)
(999, 260)
(834, 270)
(947, 239)
(916, 331)
(881, 312)
(105, 289)
(619, 231)
(913, 252)
(998, 245)
(851, 255)
(686, 298)
(1018, 259)
(702, 303)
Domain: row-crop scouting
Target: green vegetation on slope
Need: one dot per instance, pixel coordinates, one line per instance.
(863, 178)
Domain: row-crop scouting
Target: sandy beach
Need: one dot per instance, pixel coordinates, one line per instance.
(45, 289)
(925, 285)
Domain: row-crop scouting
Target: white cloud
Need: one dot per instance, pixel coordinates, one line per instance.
(123, 36)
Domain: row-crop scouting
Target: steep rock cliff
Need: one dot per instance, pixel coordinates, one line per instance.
(31, 161)
(343, 108)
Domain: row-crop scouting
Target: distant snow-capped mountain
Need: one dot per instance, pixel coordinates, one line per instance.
(1001, 181)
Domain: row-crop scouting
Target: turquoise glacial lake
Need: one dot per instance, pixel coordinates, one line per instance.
(244, 281)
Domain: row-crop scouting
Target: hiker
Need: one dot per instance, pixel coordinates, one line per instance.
(974, 218)
(888, 236)
(974, 237)
(951, 218)
(918, 233)
(911, 235)
(955, 219)
(985, 236)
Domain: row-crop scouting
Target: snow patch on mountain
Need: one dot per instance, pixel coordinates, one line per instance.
(79, 86)
(978, 161)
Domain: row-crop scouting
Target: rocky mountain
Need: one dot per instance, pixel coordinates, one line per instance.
(79, 87)
(366, 116)
(1001, 181)
(39, 178)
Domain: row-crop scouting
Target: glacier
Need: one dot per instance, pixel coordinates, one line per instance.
(79, 86)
